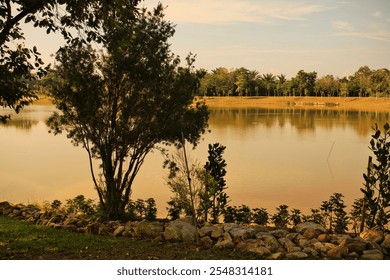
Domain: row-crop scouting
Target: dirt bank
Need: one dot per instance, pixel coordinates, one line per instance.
(342, 103)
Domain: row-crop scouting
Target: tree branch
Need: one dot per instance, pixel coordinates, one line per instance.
(12, 21)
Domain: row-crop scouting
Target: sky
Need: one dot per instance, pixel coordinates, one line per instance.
(279, 36)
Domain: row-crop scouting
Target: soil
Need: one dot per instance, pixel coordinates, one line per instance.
(337, 103)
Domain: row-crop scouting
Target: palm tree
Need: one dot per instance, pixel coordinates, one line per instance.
(269, 82)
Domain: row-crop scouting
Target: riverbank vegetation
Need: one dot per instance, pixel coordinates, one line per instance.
(365, 82)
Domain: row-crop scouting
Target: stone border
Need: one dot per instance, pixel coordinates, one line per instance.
(305, 241)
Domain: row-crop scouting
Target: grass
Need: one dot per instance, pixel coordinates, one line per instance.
(22, 240)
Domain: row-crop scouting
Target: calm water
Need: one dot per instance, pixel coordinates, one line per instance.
(275, 156)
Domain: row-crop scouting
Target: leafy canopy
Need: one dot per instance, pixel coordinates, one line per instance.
(121, 103)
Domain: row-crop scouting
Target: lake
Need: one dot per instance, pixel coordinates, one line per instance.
(292, 156)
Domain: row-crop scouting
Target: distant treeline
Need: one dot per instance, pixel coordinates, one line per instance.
(243, 82)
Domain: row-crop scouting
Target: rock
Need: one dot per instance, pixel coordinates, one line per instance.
(103, 230)
(311, 233)
(206, 231)
(227, 227)
(71, 221)
(206, 242)
(323, 237)
(56, 219)
(293, 236)
(254, 246)
(179, 231)
(118, 231)
(149, 229)
(320, 247)
(259, 228)
(241, 233)
(338, 252)
(216, 233)
(329, 246)
(276, 256)
(357, 245)
(303, 242)
(353, 255)
(5, 205)
(372, 255)
(373, 245)
(225, 242)
(16, 212)
(279, 233)
(294, 249)
(372, 235)
(302, 227)
(270, 242)
(297, 255)
(310, 252)
(287, 243)
(386, 244)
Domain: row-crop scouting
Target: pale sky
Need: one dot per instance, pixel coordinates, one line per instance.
(280, 36)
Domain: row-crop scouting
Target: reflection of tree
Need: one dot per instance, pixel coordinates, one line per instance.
(304, 120)
(20, 123)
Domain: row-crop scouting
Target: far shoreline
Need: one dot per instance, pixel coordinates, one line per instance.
(371, 104)
(334, 103)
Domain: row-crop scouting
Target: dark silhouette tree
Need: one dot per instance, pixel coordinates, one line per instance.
(121, 103)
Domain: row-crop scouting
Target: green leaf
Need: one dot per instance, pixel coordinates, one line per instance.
(377, 134)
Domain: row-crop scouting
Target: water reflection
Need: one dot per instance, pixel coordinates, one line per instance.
(290, 156)
(20, 123)
(303, 120)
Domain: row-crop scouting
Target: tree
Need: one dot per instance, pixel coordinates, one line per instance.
(18, 62)
(214, 196)
(326, 86)
(269, 83)
(281, 88)
(245, 81)
(121, 103)
(305, 83)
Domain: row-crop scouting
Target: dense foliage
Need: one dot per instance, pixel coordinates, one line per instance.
(376, 202)
(243, 82)
(78, 21)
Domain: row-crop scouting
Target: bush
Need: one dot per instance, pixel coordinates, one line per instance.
(334, 214)
(260, 216)
(141, 209)
(282, 218)
(79, 205)
(377, 183)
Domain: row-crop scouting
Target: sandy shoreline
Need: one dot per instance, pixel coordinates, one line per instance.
(337, 103)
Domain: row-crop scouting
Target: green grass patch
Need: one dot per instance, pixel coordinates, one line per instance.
(24, 240)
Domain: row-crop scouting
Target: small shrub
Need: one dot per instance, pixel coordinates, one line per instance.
(151, 210)
(260, 216)
(80, 205)
(282, 218)
(296, 217)
(315, 217)
(230, 214)
(243, 214)
(141, 209)
(335, 216)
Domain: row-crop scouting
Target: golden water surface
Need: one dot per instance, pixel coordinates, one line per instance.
(292, 156)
